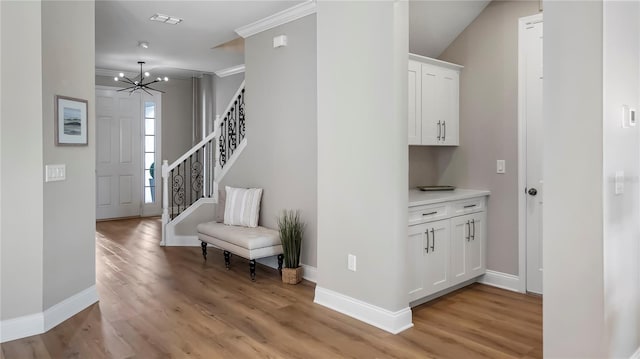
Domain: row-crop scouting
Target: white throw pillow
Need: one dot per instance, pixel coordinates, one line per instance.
(242, 206)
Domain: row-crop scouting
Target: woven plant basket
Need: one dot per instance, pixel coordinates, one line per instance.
(291, 275)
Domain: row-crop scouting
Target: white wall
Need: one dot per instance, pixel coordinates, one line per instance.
(573, 301)
(362, 149)
(281, 151)
(621, 242)
(21, 224)
(68, 68)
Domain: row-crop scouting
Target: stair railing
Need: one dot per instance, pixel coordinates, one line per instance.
(232, 128)
(192, 176)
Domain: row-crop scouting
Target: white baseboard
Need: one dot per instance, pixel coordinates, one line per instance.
(38, 323)
(392, 322)
(21, 327)
(182, 241)
(69, 307)
(310, 273)
(501, 280)
(636, 355)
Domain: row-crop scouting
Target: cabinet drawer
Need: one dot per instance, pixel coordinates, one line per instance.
(468, 206)
(428, 213)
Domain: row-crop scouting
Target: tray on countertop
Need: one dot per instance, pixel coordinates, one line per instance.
(436, 188)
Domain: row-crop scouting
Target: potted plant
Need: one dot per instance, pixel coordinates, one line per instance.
(291, 231)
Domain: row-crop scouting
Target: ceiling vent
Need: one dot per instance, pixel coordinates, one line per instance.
(166, 19)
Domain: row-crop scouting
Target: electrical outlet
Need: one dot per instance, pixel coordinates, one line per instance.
(351, 265)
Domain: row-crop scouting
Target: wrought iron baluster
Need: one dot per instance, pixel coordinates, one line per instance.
(232, 131)
(222, 142)
(241, 115)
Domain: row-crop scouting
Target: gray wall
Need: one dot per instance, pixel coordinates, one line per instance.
(21, 178)
(224, 89)
(177, 103)
(573, 302)
(423, 166)
(488, 49)
(362, 149)
(281, 127)
(68, 58)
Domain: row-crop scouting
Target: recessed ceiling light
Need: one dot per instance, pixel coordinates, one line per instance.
(143, 44)
(166, 19)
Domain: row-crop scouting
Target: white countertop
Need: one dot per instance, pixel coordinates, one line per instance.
(420, 198)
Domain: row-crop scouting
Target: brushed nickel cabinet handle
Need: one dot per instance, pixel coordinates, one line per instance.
(473, 236)
(427, 247)
(433, 240)
(468, 236)
(470, 206)
(430, 213)
(439, 130)
(444, 131)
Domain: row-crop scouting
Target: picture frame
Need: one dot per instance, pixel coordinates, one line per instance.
(71, 123)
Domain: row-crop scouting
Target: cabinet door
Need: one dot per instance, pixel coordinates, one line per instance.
(431, 110)
(416, 252)
(460, 237)
(437, 260)
(476, 247)
(449, 100)
(468, 241)
(415, 103)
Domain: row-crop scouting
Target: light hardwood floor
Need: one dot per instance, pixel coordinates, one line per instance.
(160, 302)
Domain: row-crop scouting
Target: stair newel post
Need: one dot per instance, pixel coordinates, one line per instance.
(165, 200)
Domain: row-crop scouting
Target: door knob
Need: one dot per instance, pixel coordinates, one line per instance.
(533, 191)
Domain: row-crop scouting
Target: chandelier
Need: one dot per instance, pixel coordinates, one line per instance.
(140, 83)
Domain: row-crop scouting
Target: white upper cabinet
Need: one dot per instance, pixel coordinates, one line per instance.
(434, 99)
(415, 108)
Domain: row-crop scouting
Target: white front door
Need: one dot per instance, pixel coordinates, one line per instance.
(118, 154)
(533, 149)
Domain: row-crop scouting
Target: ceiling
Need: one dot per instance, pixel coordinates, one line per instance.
(192, 45)
(204, 41)
(433, 25)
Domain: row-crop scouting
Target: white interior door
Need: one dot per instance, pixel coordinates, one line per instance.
(534, 150)
(118, 154)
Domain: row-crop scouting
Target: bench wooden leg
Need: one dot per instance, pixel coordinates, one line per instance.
(280, 259)
(204, 249)
(252, 269)
(227, 259)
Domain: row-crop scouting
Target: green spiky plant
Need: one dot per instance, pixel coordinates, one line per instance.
(291, 231)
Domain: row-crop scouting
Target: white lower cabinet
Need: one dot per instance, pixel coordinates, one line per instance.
(467, 247)
(446, 252)
(428, 258)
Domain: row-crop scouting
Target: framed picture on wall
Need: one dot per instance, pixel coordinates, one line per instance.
(70, 121)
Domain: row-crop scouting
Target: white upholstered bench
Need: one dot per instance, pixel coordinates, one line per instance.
(249, 243)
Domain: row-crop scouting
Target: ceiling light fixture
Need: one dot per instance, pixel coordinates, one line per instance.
(138, 82)
(172, 20)
(143, 44)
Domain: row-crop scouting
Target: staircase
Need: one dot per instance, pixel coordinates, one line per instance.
(190, 184)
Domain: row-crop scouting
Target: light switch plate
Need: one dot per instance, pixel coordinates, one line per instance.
(351, 262)
(500, 166)
(55, 173)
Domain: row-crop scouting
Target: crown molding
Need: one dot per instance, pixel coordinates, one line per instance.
(277, 19)
(230, 71)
